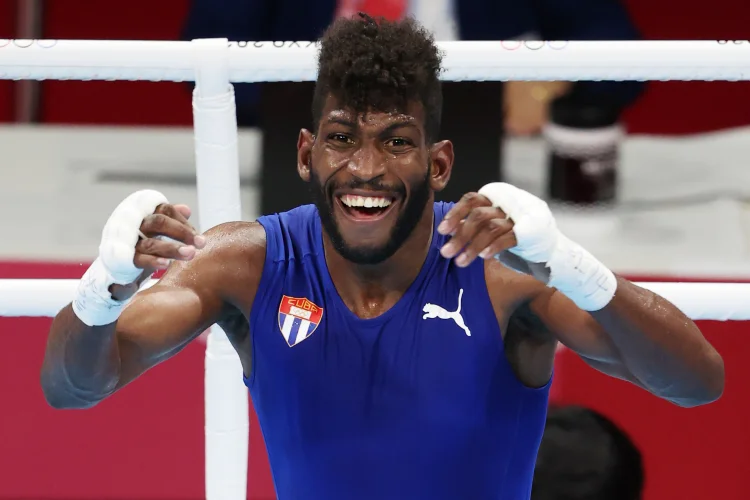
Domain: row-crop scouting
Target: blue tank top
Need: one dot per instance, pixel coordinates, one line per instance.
(417, 403)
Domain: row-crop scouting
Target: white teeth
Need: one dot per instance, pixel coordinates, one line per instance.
(364, 201)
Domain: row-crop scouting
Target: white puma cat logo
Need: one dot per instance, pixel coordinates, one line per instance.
(435, 311)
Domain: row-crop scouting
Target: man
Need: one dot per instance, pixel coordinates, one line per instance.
(586, 456)
(388, 354)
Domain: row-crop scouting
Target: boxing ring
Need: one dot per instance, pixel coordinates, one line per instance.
(215, 64)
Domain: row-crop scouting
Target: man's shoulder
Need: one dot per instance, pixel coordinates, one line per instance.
(230, 265)
(250, 239)
(241, 239)
(250, 229)
(227, 267)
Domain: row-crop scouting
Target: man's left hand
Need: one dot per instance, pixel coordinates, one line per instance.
(504, 222)
(478, 229)
(519, 230)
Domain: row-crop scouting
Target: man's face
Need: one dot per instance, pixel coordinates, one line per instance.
(370, 179)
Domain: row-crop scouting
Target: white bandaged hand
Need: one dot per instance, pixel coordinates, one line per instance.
(93, 303)
(544, 252)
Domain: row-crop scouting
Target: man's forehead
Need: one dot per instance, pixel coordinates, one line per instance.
(334, 111)
(371, 117)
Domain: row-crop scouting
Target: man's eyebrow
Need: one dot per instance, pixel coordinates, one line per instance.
(397, 123)
(406, 122)
(341, 121)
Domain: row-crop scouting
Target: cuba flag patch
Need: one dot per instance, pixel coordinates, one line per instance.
(298, 319)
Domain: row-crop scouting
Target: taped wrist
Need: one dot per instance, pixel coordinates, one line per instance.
(93, 302)
(580, 276)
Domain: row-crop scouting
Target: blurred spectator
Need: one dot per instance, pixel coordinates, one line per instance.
(585, 456)
(475, 113)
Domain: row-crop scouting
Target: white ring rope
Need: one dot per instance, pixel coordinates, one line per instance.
(699, 301)
(296, 61)
(213, 64)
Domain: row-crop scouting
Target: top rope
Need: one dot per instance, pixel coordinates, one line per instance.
(296, 61)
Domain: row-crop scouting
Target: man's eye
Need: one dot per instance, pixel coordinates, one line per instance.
(398, 142)
(340, 138)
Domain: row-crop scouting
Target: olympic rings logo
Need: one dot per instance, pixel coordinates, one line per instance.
(25, 44)
(533, 44)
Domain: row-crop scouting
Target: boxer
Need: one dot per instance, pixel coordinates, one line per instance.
(361, 389)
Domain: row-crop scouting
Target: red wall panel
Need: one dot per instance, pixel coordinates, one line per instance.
(120, 103)
(690, 107)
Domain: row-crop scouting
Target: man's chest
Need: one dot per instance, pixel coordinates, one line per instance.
(430, 341)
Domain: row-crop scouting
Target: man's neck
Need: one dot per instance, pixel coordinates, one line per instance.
(370, 290)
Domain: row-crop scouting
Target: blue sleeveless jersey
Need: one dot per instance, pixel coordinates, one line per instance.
(418, 403)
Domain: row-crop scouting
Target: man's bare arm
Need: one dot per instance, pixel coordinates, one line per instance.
(640, 337)
(83, 365)
(630, 332)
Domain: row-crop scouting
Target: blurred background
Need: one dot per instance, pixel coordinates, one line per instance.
(654, 182)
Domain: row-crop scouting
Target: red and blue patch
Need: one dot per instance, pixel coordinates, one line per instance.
(298, 319)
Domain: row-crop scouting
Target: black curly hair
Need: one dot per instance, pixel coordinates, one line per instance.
(380, 65)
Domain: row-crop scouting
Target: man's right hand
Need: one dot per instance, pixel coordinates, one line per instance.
(110, 335)
(170, 221)
(166, 235)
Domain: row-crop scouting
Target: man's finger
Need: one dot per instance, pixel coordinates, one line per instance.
(491, 233)
(460, 211)
(179, 214)
(467, 231)
(184, 210)
(504, 242)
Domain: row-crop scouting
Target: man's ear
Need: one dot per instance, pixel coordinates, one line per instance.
(305, 144)
(441, 158)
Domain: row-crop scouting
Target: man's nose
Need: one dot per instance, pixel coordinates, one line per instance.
(367, 163)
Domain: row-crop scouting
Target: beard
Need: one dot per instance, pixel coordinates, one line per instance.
(410, 216)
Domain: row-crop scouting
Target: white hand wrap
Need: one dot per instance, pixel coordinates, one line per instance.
(545, 253)
(93, 303)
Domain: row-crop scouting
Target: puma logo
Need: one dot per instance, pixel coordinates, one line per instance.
(434, 311)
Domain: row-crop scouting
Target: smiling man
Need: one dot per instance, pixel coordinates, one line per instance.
(394, 347)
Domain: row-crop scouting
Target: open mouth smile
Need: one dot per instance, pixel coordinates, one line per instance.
(365, 208)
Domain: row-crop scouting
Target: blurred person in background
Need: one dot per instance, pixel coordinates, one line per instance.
(585, 456)
(475, 113)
